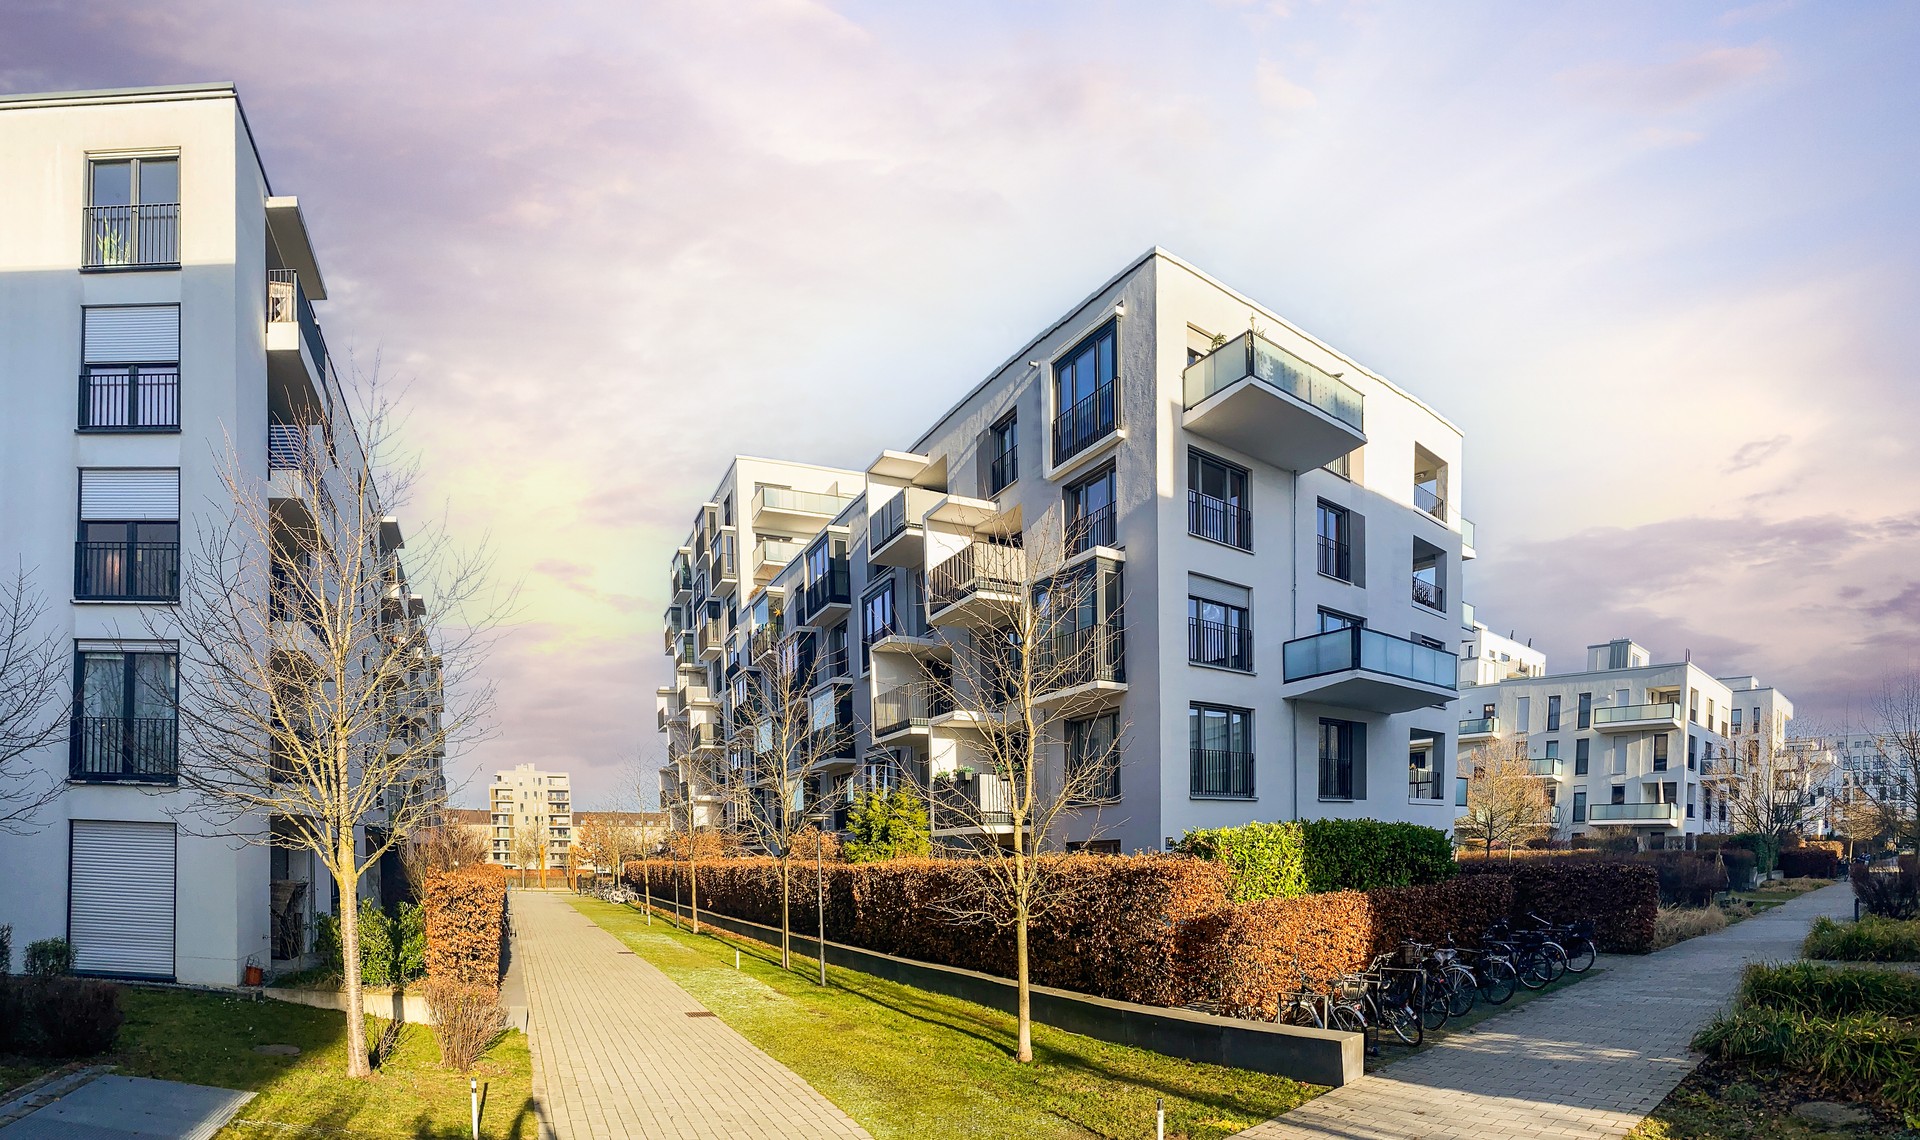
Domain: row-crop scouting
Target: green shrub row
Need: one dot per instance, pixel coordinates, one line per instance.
(1824, 991)
(1286, 860)
(393, 947)
(1871, 939)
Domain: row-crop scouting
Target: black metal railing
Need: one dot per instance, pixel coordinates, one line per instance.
(1429, 500)
(982, 800)
(831, 665)
(1081, 657)
(1085, 423)
(899, 709)
(1429, 594)
(126, 236)
(1004, 469)
(1094, 528)
(828, 589)
(130, 397)
(287, 304)
(1222, 772)
(1218, 643)
(124, 748)
(1336, 559)
(976, 566)
(1219, 520)
(127, 571)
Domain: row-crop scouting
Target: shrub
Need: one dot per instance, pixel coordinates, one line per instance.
(1621, 898)
(1809, 863)
(1741, 867)
(1828, 991)
(466, 1018)
(1268, 860)
(1674, 924)
(1765, 849)
(887, 825)
(464, 916)
(1872, 939)
(1867, 1050)
(1361, 854)
(49, 958)
(392, 947)
(1687, 878)
(53, 1016)
(1888, 893)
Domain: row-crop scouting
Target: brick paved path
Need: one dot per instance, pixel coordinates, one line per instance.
(1586, 1063)
(615, 1054)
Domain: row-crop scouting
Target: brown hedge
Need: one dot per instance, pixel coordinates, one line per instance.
(1114, 933)
(1621, 898)
(1809, 862)
(465, 912)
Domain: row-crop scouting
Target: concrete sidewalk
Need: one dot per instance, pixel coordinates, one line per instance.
(1586, 1063)
(619, 1050)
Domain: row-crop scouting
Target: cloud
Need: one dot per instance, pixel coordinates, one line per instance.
(1277, 92)
(1675, 85)
(1756, 452)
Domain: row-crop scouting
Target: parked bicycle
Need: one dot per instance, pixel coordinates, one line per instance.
(1576, 938)
(1381, 995)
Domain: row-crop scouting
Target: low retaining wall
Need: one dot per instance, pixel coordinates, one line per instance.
(394, 1005)
(1317, 1056)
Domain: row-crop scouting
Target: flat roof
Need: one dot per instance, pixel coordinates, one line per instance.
(162, 94)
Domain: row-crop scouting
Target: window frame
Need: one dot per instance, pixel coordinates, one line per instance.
(1233, 514)
(1338, 547)
(1075, 442)
(129, 684)
(1197, 714)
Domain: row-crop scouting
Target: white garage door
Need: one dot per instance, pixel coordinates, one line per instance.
(120, 898)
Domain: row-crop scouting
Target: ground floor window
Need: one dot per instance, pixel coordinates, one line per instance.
(1342, 760)
(1093, 757)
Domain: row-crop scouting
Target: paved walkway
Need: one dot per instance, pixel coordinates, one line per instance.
(1585, 1063)
(617, 1054)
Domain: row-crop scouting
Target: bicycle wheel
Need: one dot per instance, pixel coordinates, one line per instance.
(1498, 981)
(1580, 955)
(1556, 960)
(1349, 1018)
(1461, 991)
(1534, 969)
(1405, 1023)
(1435, 1010)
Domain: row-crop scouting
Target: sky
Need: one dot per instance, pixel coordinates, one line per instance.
(1657, 260)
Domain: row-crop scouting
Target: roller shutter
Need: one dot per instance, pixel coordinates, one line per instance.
(132, 334)
(115, 494)
(120, 898)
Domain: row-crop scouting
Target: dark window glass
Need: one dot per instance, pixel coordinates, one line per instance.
(1336, 542)
(1579, 807)
(124, 724)
(1217, 501)
(1219, 634)
(1090, 512)
(1220, 741)
(1336, 759)
(1085, 403)
(1553, 714)
(1093, 756)
(1586, 711)
(1004, 454)
(1582, 756)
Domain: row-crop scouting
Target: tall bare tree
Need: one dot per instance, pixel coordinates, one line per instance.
(783, 739)
(531, 842)
(1506, 803)
(441, 846)
(698, 773)
(1895, 785)
(1034, 680)
(35, 697)
(321, 685)
(1772, 783)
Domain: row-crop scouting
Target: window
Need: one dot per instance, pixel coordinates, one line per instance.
(1217, 501)
(1093, 757)
(1331, 620)
(1002, 454)
(128, 548)
(1343, 772)
(1336, 541)
(1085, 397)
(1523, 714)
(1619, 757)
(133, 212)
(1618, 794)
(877, 620)
(1423, 774)
(1585, 715)
(125, 723)
(1582, 756)
(1693, 752)
(1460, 791)
(1693, 706)
(1429, 483)
(1219, 633)
(1090, 512)
(1553, 714)
(1736, 722)
(1093, 846)
(1660, 752)
(1220, 740)
(130, 361)
(1553, 750)
(1579, 805)
(1429, 576)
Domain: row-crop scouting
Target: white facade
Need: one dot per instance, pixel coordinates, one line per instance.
(525, 800)
(1195, 451)
(147, 260)
(1487, 658)
(1628, 746)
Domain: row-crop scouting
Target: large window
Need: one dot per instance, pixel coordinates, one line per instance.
(1219, 634)
(1002, 454)
(1220, 740)
(133, 213)
(1343, 748)
(877, 620)
(1089, 505)
(130, 360)
(1085, 397)
(1660, 752)
(128, 561)
(1331, 620)
(1586, 711)
(1217, 501)
(1582, 756)
(1580, 806)
(1093, 757)
(1429, 575)
(124, 722)
(1423, 772)
(1336, 541)
(1553, 714)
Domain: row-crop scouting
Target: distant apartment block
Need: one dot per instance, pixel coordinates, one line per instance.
(527, 802)
(1274, 533)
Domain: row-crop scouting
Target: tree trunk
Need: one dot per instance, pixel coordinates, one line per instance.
(358, 1064)
(786, 916)
(693, 889)
(1023, 1051)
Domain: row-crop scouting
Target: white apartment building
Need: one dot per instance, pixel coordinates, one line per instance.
(528, 801)
(1275, 534)
(1627, 745)
(1487, 658)
(154, 313)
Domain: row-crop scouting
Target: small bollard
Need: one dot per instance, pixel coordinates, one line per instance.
(736, 959)
(473, 1086)
(1159, 1118)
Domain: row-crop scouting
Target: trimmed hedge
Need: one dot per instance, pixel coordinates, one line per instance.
(55, 1016)
(1284, 860)
(1809, 863)
(1623, 899)
(465, 914)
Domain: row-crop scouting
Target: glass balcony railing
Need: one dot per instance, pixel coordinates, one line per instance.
(1371, 651)
(788, 501)
(1619, 714)
(1544, 765)
(1252, 355)
(1485, 726)
(1633, 813)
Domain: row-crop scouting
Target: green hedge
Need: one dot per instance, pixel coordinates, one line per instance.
(393, 948)
(1285, 860)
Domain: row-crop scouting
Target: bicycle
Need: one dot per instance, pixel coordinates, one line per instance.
(1449, 988)
(1577, 938)
(1372, 997)
(1493, 974)
(1536, 959)
(1303, 1006)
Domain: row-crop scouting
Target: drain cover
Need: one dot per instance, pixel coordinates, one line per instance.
(277, 1050)
(701, 1013)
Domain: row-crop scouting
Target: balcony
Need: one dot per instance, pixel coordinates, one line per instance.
(1636, 718)
(1366, 669)
(827, 599)
(976, 586)
(1476, 731)
(296, 351)
(897, 537)
(1430, 594)
(710, 639)
(126, 571)
(972, 804)
(1466, 539)
(1221, 773)
(1257, 398)
(782, 509)
(296, 459)
(131, 237)
(1083, 670)
(900, 713)
(109, 749)
(130, 397)
(1550, 766)
(1656, 814)
(1427, 498)
(723, 569)
(1093, 418)
(765, 640)
(1094, 528)
(771, 555)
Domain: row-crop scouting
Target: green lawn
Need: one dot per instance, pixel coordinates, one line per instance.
(208, 1039)
(907, 1063)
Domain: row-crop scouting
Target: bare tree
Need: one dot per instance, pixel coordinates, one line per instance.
(1771, 783)
(35, 697)
(320, 685)
(1506, 803)
(1034, 680)
(783, 738)
(1894, 785)
(604, 839)
(441, 846)
(531, 842)
(694, 792)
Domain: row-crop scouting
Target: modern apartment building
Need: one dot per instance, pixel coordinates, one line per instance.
(156, 301)
(1274, 538)
(1627, 746)
(526, 801)
(1487, 658)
